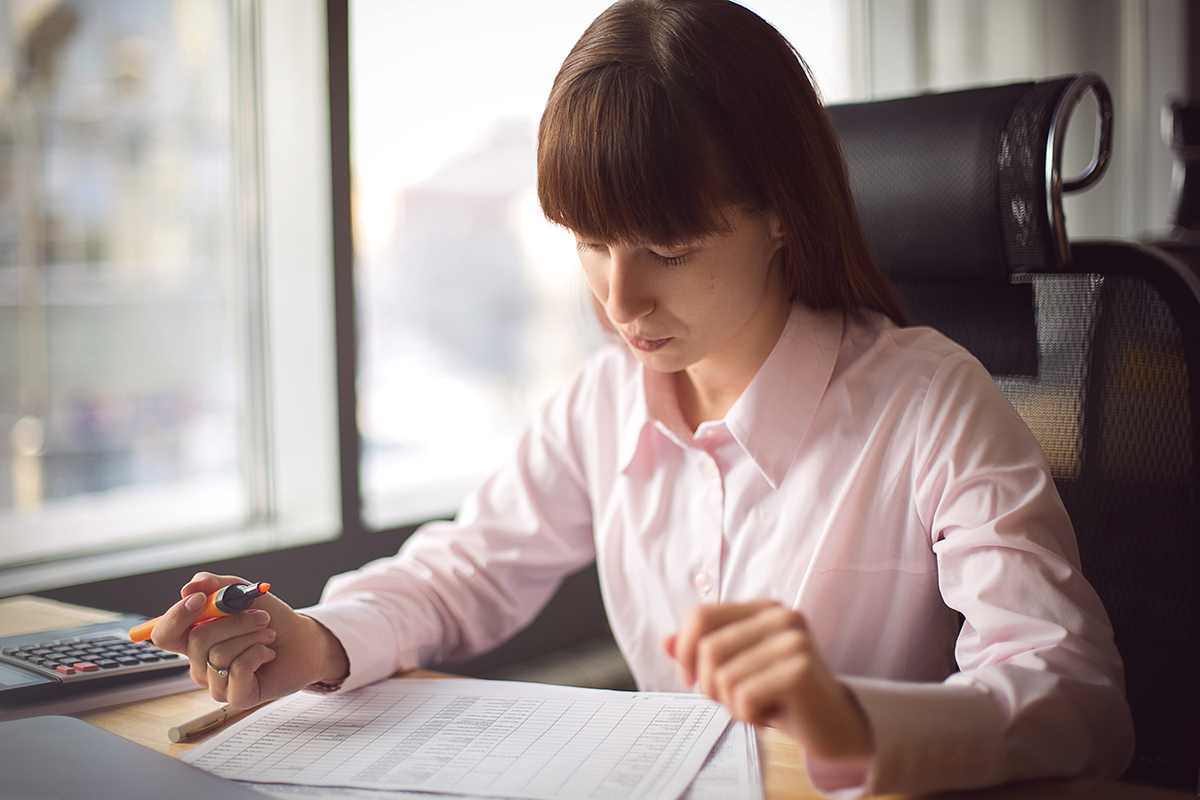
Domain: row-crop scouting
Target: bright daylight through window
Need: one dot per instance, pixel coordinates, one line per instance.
(472, 307)
(119, 380)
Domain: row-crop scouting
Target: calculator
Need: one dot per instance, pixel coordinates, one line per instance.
(40, 665)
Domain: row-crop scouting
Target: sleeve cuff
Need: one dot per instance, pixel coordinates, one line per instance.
(368, 641)
(928, 737)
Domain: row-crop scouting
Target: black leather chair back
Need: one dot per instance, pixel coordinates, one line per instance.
(1096, 344)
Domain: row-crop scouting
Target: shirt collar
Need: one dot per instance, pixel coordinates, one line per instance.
(654, 405)
(772, 415)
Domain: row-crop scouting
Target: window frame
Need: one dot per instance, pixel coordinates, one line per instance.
(287, 87)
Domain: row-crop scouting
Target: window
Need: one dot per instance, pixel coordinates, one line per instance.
(164, 257)
(123, 398)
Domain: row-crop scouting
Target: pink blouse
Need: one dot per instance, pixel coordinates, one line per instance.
(872, 477)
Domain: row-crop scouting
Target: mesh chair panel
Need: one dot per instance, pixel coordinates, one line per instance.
(1050, 400)
(1139, 480)
(1114, 407)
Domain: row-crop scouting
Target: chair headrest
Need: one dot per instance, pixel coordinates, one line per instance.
(967, 185)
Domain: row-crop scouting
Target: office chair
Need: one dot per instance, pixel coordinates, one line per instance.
(1096, 344)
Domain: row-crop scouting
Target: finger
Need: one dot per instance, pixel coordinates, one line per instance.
(668, 645)
(208, 583)
(228, 651)
(214, 681)
(170, 631)
(726, 680)
(766, 633)
(803, 698)
(759, 694)
(207, 635)
(244, 688)
(700, 622)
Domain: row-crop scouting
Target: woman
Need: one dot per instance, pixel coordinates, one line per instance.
(824, 520)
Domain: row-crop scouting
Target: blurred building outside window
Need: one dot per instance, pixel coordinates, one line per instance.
(119, 379)
(144, 348)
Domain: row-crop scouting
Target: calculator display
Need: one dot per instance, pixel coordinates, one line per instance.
(12, 677)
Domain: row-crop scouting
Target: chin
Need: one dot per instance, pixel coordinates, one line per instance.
(660, 362)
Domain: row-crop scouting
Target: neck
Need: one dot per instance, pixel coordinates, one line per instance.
(708, 389)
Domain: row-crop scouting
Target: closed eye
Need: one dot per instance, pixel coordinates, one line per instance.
(670, 261)
(666, 259)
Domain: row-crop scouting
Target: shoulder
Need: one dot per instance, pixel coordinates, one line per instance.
(879, 356)
(920, 381)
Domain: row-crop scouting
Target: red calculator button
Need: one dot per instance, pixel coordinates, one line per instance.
(85, 666)
(65, 670)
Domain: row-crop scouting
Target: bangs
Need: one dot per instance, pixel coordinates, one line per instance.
(620, 162)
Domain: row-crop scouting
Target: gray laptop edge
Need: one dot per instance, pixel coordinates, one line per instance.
(53, 758)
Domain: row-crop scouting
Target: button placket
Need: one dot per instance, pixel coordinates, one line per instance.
(705, 580)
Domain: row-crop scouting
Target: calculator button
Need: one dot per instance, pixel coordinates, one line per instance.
(148, 658)
(65, 670)
(107, 663)
(127, 660)
(85, 666)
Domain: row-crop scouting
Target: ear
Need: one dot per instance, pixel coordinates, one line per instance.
(774, 229)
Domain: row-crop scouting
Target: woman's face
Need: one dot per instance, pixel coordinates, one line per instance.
(711, 301)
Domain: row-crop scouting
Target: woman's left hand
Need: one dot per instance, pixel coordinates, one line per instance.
(759, 661)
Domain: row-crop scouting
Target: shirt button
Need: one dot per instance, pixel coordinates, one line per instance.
(703, 583)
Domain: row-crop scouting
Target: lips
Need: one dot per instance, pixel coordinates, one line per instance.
(644, 344)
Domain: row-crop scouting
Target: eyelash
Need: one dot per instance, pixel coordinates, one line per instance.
(668, 261)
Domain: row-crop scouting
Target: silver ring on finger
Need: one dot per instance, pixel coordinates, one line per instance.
(221, 673)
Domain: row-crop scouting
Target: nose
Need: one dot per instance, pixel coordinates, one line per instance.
(628, 298)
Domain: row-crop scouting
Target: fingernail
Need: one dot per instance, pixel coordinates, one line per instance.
(259, 617)
(270, 633)
(195, 602)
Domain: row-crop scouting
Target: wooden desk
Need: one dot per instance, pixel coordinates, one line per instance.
(146, 723)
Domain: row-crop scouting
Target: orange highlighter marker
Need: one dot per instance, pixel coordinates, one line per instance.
(221, 603)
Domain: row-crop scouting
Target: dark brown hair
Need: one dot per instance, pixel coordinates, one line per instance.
(668, 111)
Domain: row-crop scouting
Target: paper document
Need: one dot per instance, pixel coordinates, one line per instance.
(476, 738)
(732, 770)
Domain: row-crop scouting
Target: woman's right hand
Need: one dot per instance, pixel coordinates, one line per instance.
(269, 651)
